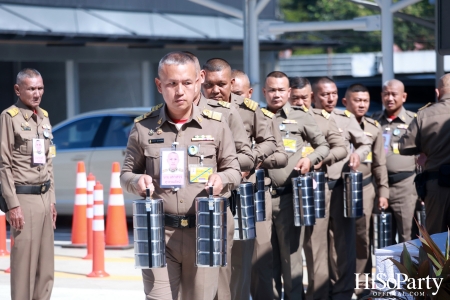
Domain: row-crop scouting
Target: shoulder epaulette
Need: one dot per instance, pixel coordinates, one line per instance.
(347, 113)
(428, 104)
(302, 108)
(372, 121)
(13, 111)
(44, 112)
(267, 113)
(147, 114)
(224, 104)
(214, 115)
(377, 115)
(325, 114)
(253, 105)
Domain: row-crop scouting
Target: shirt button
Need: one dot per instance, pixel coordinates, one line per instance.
(181, 201)
(38, 168)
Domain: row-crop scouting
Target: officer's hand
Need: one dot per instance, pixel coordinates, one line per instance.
(421, 160)
(216, 182)
(354, 161)
(318, 166)
(54, 214)
(303, 165)
(145, 182)
(383, 203)
(245, 174)
(16, 218)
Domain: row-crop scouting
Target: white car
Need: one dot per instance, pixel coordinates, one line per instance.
(98, 138)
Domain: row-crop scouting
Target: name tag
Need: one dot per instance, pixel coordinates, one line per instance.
(290, 145)
(395, 148)
(156, 141)
(52, 151)
(368, 158)
(199, 173)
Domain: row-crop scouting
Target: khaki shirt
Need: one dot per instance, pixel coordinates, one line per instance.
(256, 125)
(394, 130)
(353, 135)
(429, 133)
(231, 116)
(375, 163)
(297, 126)
(279, 159)
(154, 131)
(330, 131)
(18, 127)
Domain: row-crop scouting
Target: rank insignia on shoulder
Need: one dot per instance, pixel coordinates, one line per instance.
(142, 117)
(225, 104)
(423, 107)
(202, 138)
(289, 121)
(376, 123)
(251, 104)
(267, 113)
(44, 112)
(325, 114)
(305, 109)
(212, 114)
(156, 107)
(347, 113)
(13, 111)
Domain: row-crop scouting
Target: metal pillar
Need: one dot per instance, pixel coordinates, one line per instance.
(72, 89)
(439, 58)
(147, 84)
(254, 50)
(387, 40)
(245, 39)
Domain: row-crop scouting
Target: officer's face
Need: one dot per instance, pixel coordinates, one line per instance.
(173, 160)
(217, 85)
(277, 92)
(30, 91)
(178, 85)
(241, 87)
(357, 103)
(301, 97)
(393, 97)
(326, 96)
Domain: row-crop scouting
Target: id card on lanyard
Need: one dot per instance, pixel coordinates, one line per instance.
(39, 151)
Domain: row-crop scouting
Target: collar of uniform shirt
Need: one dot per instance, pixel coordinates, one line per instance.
(195, 116)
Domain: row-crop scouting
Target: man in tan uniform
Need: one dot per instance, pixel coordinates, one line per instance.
(428, 134)
(241, 84)
(342, 258)
(394, 121)
(296, 127)
(357, 101)
(315, 243)
(180, 125)
(217, 86)
(27, 185)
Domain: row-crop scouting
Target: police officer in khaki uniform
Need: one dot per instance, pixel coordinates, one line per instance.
(217, 86)
(394, 121)
(204, 140)
(428, 134)
(342, 257)
(315, 243)
(241, 84)
(357, 101)
(296, 127)
(26, 176)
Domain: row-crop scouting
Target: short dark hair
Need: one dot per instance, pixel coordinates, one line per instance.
(298, 82)
(357, 87)
(27, 73)
(322, 80)
(216, 65)
(175, 58)
(237, 72)
(277, 74)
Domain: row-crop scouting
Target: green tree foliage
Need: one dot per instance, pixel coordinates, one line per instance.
(407, 35)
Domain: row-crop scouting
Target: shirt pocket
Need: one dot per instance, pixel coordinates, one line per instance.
(153, 161)
(24, 143)
(209, 156)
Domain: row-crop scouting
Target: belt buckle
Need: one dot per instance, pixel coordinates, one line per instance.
(42, 188)
(184, 222)
(273, 192)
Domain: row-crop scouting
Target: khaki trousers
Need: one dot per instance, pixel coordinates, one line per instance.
(363, 255)
(32, 256)
(402, 202)
(342, 254)
(182, 279)
(262, 261)
(287, 244)
(315, 247)
(437, 206)
(223, 292)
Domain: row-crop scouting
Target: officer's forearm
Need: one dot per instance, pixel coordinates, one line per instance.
(277, 160)
(129, 182)
(381, 179)
(246, 160)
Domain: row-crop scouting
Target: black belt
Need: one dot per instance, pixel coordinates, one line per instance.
(179, 221)
(397, 177)
(33, 189)
(431, 175)
(280, 191)
(332, 183)
(367, 181)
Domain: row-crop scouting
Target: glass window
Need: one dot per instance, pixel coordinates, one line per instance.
(78, 134)
(118, 131)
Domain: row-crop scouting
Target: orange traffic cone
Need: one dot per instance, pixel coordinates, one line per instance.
(3, 250)
(98, 228)
(116, 220)
(90, 214)
(11, 246)
(79, 222)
